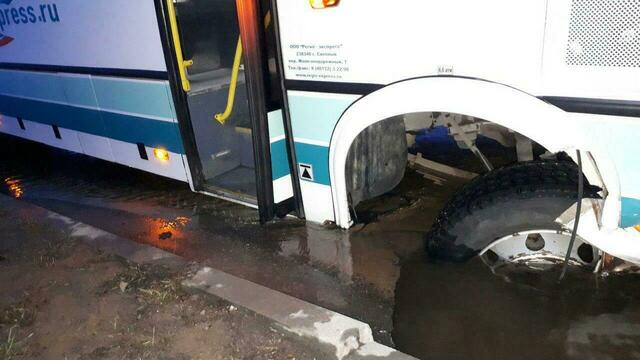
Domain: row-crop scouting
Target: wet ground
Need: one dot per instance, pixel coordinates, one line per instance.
(376, 272)
(61, 299)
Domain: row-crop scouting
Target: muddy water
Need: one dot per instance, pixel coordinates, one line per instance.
(460, 311)
(374, 272)
(305, 261)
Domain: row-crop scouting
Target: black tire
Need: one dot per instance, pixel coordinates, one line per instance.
(520, 197)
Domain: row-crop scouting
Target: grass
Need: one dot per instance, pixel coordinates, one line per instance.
(51, 252)
(12, 347)
(154, 284)
(8, 348)
(17, 315)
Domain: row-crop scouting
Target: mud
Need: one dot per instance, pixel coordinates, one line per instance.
(375, 272)
(61, 300)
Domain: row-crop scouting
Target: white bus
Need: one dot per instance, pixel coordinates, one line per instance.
(303, 106)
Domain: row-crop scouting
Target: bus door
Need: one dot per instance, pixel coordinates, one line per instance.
(229, 78)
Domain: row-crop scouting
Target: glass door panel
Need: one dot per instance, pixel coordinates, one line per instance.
(209, 32)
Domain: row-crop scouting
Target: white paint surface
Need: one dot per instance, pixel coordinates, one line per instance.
(115, 34)
(101, 147)
(317, 201)
(282, 189)
(127, 154)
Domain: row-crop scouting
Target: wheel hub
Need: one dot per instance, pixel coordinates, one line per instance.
(539, 250)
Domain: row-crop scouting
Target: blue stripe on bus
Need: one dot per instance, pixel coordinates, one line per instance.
(141, 97)
(78, 90)
(314, 118)
(630, 212)
(316, 156)
(127, 128)
(279, 159)
(26, 84)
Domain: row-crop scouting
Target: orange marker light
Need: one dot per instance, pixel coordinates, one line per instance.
(161, 154)
(637, 227)
(322, 4)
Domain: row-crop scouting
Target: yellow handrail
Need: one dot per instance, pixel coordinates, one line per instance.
(182, 63)
(222, 117)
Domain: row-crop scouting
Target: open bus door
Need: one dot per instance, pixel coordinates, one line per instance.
(226, 75)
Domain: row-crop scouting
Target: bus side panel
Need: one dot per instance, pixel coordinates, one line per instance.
(104, 117)
(102, 34)
(592, 50)
(280, 169)
(53, 85)
(313, 118)
(577, 49)
(382, 42)
(618, 134)
(79, 88)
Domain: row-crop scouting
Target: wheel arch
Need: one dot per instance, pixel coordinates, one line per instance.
(524, 113)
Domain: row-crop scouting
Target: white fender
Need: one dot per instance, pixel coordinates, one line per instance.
(546, 124)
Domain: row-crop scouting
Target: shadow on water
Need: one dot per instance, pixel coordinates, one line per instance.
(374, 272)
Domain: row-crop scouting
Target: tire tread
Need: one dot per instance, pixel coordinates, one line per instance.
(527, 180)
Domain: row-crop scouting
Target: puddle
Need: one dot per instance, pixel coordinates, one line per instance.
(463, 311)
(375, 272)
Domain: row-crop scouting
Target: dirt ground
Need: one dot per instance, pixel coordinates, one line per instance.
(61, 300)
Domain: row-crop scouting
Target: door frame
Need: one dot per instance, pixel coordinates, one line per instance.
(296, 203)
(251, 24)
(252, 34)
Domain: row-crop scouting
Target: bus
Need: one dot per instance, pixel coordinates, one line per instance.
(309, 107)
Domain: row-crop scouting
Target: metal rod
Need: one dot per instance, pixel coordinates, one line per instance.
(575, 224)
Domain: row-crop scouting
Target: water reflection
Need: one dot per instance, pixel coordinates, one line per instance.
(14, 186)
(322, 246)
(165, 234)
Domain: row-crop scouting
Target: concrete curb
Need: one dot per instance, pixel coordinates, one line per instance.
(351, 339)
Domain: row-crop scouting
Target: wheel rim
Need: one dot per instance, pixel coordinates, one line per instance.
(538, 250)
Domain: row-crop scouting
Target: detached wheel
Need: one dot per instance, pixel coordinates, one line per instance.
(508, 215)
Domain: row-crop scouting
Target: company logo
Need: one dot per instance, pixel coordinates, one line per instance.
(14, 16)
(4, 39)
